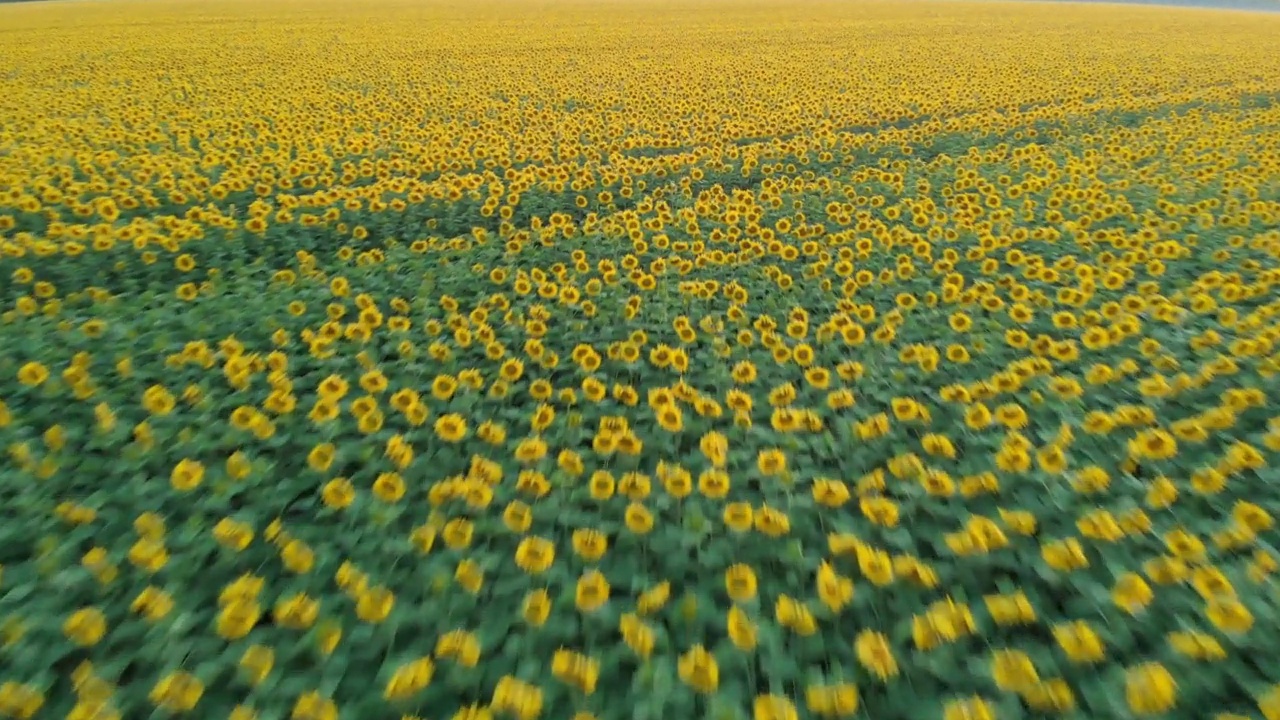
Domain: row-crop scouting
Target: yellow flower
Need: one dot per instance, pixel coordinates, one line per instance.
(460, 646)
(715, 447)
(245, 587)
(771, 521)
(473, 712)
(636, 634)
(177, 692)
(297, 557)
(601, 485)
(795, 615)
(338, 493)
(531, 450)
(33, 374)
(238, 466)
(314, 706)
(714, 484)
(740, 582)
(1008, 610)
(576, 669)
(157, 400)
(20, 701)
(1197, 645)
(678, 482)
(876, 655)
(830, 493)
(739, 516)
(977, 416)
(636, 486)
(1166, 570)
(232, 534)
(653, 599)
(409, 679)
(153, 603)
(1153, 445)
(638, 519)
(187, 475)
(1079, 641)
(879, 510)
(374, 604)
(699, 670)
(469, 575)
(973, 708)
(592, 591)
(1184, 545)
(451, 428)
(517, 516)
(256, 663)
(534, 555)
(443, 387)
(1013, 670)
(1211, 583)
(322, 456)
(771, 462)
(1150, 689)
(1252, 516)
(839, 700)
(85, 627)
(938, 445)
(389, 487)
(537, 607)
(1131, 593)
(670, 418)
(875, 565)
(1053, 696)
(1229, 614)
(1269, 703)
(773, 707)
(296, 611)
(517, 697)
(148, 555)
(590, 545)
(834, 590)
(1064, 555)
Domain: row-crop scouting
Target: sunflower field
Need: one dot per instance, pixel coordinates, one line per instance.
(587, 360)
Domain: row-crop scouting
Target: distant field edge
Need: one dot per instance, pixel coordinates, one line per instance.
(1263, 6)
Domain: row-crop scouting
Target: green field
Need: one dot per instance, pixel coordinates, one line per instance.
(638, 361)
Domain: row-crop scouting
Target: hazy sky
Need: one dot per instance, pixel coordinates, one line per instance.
(1269, 5)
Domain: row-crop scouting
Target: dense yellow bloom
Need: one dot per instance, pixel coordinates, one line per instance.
(1131, 593)
(535, 555)
(409, 679)
(699, 670)
(875, 654)
(178, 692)
(773, 707)
(592, 591)
(974, 708)
(256, 663)
(1150, 689)
(33, 374)
(424, 313)
(85, 627)
(1079, 642)
(576, 669)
